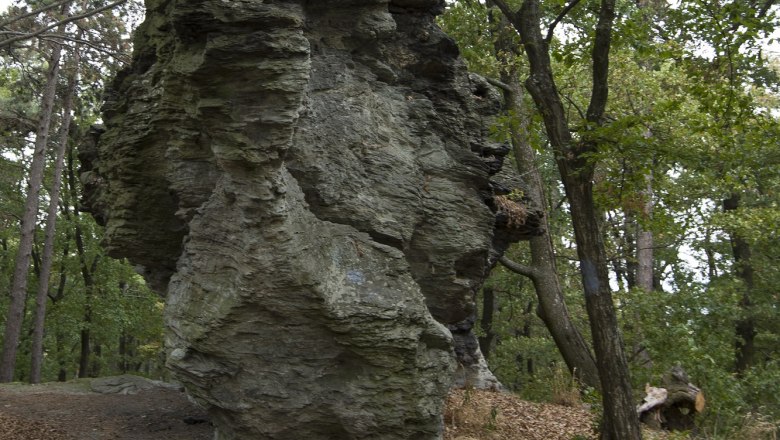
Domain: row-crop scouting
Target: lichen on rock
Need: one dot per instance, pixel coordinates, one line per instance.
(309, 184)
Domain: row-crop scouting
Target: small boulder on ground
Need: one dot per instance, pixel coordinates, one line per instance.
(128, 384)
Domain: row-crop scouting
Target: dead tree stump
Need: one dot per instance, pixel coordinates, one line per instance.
(673, 407)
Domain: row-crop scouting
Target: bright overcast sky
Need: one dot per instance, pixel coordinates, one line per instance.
(774, 49)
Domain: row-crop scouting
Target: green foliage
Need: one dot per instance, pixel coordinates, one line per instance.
(89, 292)
(692, 112)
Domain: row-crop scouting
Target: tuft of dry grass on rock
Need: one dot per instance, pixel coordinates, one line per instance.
(488, 415)
(515, 212)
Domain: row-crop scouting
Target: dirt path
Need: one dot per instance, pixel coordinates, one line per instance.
(72, 412)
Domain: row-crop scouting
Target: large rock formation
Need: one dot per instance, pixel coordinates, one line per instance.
(309, 183)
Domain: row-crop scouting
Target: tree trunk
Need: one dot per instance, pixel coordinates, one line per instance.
(51, 220)
(13, 325)
(746, 326)
(59, 336)
(643, 271)
(97, 353)
(486, 323)
(620, 420)
(86, 273)
(529, 363)
(644, 241)
(552, 308)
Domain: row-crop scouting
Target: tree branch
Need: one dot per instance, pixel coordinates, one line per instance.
(558, 19)
(579, 110)
(9, 41)
(520, 269)
(507, 11)
(765, 8)
(601, 46)
(118, 56)
(10, 20)
(496, 83)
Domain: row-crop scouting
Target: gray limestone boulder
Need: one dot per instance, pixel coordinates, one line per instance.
(308, 183)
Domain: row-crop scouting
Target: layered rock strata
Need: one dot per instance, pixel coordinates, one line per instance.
(309, 181)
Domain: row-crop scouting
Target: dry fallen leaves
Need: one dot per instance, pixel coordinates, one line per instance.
(489, 415)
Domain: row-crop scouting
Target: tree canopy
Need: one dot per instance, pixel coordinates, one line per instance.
(682, 156)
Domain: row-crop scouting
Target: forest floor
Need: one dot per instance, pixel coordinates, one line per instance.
(488, 415)
(72, 411)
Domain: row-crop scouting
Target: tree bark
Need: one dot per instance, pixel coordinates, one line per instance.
(620, 421)
(745, 326)
(51, 224)
(13, 325)
(86, 273)
(486, 323)
(644, 240)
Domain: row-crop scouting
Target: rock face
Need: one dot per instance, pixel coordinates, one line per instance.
(309, 183)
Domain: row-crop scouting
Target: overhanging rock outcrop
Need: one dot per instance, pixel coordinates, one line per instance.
(309, 183)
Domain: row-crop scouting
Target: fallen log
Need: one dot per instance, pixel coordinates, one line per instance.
(674, 406)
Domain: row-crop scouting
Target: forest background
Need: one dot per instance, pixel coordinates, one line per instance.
(685, 182)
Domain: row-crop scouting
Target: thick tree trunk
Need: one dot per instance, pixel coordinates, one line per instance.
(620, 421)
(51, 221)
(13, 324)
(746, 326)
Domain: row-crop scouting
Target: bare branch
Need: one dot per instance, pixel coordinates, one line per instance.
(9, 41)
(765, 8)
(579, 110)
(499, 84)
(520, 269)
(118, 56)
(558, 19)
(11, 20)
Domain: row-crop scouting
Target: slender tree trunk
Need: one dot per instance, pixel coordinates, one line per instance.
(712, 262)
(644, 241)
(746, 325)
(13, 325)
(62, 373)
(489, 307)
(543, 272)
(643, 273)
(97, 353)
(630, 230)
(529, 363)
(51, 220)
(620, 420)
(59, 336)
(87, 270)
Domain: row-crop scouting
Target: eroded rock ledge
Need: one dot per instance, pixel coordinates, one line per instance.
(309, 183)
